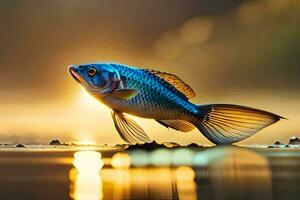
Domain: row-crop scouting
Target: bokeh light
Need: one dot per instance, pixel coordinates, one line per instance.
(169, 45)
(200, 159)
(121, 161)
(197, 30)
(139, 158)
(251, 13)
(161, 157)
(182, 156)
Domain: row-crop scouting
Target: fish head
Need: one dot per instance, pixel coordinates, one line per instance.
(98, 79)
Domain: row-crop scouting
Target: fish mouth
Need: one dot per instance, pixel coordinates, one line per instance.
(73, 72)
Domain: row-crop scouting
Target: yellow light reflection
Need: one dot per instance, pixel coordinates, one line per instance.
(186, 187)
(86, 182)
(121, 161)
(117, 183)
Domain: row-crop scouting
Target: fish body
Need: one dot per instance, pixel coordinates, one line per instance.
(155, 98)
(164, 97)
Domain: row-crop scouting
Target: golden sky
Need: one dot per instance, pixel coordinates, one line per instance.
(239, 52)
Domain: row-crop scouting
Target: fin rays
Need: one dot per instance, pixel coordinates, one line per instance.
(175, 82)
(179, 125)
(128, 129)
(225, 124)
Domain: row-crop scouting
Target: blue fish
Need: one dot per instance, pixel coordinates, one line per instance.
(165, 98)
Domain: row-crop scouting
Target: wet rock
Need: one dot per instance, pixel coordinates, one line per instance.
(55, 142)
(193, 145)
(147, 146)
(20, 146)
(294, 141)
(277, 144)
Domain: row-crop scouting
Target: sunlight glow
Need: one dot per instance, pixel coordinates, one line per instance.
(86, 182)
(86, 142)
(87, 99)
(88, 161)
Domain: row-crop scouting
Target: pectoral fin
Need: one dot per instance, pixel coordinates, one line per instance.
(128, 129)
(124, 93)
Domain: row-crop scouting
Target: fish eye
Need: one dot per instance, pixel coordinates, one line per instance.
(92, 71)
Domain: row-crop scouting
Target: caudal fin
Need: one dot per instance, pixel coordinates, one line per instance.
(226, 124)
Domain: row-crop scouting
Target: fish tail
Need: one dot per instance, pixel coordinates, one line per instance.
(227, 124)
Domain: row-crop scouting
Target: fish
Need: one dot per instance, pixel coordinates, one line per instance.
(164, 97)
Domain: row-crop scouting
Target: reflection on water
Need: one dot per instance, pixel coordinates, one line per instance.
(86, 183)
(149, 183)
(229, 172)
(214, 173)
(186, 187)
(221, 173)
(233, 173)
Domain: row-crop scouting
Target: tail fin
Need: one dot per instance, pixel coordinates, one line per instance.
(226, 124)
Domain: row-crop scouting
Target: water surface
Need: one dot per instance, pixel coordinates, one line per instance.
(200, 173)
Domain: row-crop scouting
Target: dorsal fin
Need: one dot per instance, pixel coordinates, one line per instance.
(175, 81)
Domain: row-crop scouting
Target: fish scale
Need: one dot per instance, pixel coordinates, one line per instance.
(155, 98)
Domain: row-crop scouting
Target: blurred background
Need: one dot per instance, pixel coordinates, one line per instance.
(234, 51)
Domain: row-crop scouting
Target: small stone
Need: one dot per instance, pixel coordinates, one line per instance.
(193, 145)
(278, 143)
(55, 142)
(294, 141)
(20, 146)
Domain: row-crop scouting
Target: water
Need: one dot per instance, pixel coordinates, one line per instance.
(204, 173)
